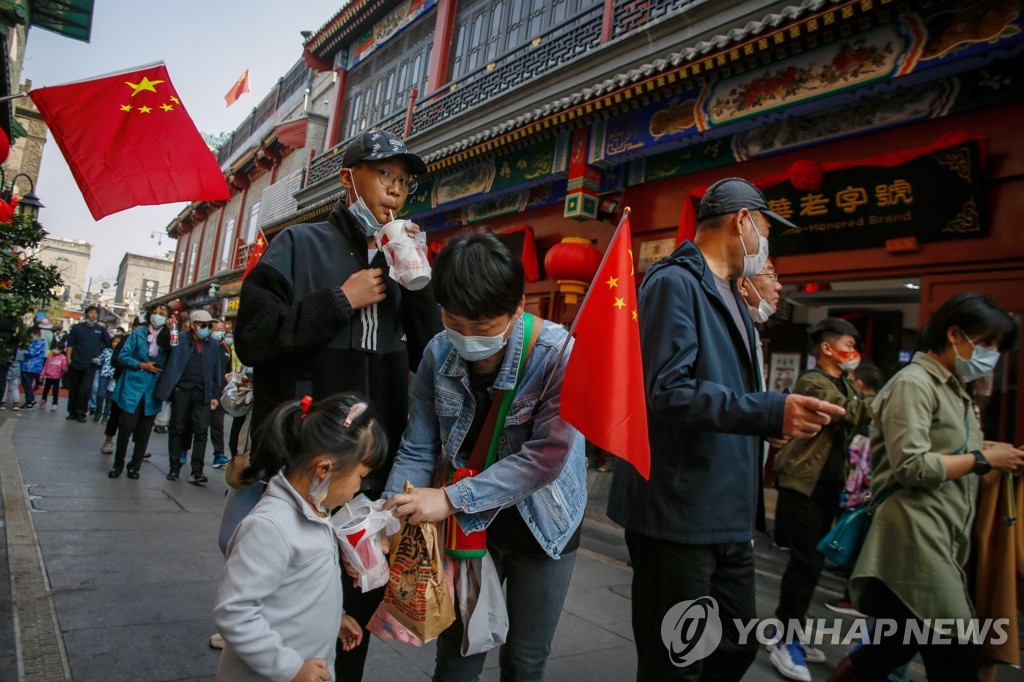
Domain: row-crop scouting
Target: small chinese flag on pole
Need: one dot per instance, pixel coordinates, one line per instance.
(129, 141)
(603, 390)
(258, 248)
(240, 87)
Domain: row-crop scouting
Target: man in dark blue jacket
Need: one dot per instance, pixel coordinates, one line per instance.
(689, 528)
(192, 382)
(86, 341)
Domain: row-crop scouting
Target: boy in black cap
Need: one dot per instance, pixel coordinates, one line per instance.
(319, 314)
(689, 527)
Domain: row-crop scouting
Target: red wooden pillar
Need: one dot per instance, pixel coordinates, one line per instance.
(441, 51)
(607, 20)
(333, 136)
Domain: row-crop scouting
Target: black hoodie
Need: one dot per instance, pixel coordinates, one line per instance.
(299, 333)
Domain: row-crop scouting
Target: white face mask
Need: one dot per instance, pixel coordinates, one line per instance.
(362, 213)
(473, 348)
(752, 263)
(318, 490)
(157, 321)
(763, 311)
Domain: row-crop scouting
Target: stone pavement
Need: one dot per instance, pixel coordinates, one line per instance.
(132, 567)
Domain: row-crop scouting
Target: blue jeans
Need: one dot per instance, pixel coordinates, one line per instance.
(28, 384)
(535, 586)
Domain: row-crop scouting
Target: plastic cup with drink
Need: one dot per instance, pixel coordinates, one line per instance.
(405, 255)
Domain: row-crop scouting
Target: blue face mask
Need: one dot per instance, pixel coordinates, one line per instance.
(230, 340)
(982, 361)
(473, 348)
(362, 213)
(217, 336)
(156, 321)
(203, 333)
(90, 322)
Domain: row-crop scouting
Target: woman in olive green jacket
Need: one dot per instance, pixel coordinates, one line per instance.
(927, 445)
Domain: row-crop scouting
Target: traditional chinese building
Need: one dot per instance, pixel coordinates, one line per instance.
(887, 130)
(265, 161)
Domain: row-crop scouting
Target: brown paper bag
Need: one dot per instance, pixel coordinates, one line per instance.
(417, 594)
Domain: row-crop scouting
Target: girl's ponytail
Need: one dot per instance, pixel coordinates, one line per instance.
(342, 426)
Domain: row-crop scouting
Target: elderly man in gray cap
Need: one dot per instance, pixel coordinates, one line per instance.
(689, 527)
(192, 383)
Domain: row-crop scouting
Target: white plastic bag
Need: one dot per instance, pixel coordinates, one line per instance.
(481, 605)
(358, 526)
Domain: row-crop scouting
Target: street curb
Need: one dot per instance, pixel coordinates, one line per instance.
(39, 644)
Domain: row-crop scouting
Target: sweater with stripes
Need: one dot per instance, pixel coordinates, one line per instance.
(297, 330)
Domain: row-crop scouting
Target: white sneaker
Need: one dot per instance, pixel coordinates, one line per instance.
(216, 641)
(789, 660)
(812, 654)
(53, 408)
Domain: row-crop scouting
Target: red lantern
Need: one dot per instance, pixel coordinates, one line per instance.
(5, 146)
(573, 263)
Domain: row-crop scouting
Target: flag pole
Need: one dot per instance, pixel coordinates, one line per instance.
(572, 329)
(7, 98)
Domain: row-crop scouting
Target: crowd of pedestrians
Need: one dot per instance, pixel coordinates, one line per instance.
(442, 404)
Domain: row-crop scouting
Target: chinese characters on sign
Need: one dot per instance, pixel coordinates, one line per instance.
(933, 198)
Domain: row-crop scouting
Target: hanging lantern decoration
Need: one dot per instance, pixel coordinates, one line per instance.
(573, 263)
(5, 145)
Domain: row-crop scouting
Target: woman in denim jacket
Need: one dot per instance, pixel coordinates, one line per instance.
(531, 500)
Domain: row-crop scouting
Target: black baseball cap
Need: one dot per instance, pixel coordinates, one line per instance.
(377, 145)
(730, 195)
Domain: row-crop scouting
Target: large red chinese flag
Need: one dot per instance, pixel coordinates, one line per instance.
(240, 87)
(258, 248)
(603, 390)
(130, 142)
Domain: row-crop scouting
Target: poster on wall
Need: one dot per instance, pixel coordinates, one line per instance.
(783, 371)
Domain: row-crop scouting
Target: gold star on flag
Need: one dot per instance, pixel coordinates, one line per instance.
(175, 99)
(144, 84)
(619, 303)
(612, 282)
(126, 107)
(145, 110)
(167, 107)
(634, 315)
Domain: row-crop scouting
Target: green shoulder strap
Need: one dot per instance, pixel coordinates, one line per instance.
(530, 334)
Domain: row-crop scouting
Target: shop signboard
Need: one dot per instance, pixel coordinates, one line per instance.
(934, 197)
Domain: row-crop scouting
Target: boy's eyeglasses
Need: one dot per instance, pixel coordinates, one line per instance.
(388, 179)
(203, 325)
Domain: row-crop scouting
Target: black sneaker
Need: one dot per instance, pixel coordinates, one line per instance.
(198, 479)
(159, 429)
(132, 474)
(172, 475)
(115, 472)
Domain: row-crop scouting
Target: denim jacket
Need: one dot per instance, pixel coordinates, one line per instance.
(541, 467)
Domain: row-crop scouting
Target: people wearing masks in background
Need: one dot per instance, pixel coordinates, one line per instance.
(141, 357)
(53, 371)
(102, 383)
(689, 528)
(480, 286)
(217, 414)
(32, 366)
(85, 342)
(45, 328)
(114, 419)
(810, 474)
(928, 453)
(320, 314)
(13, 382)
(192, 383)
